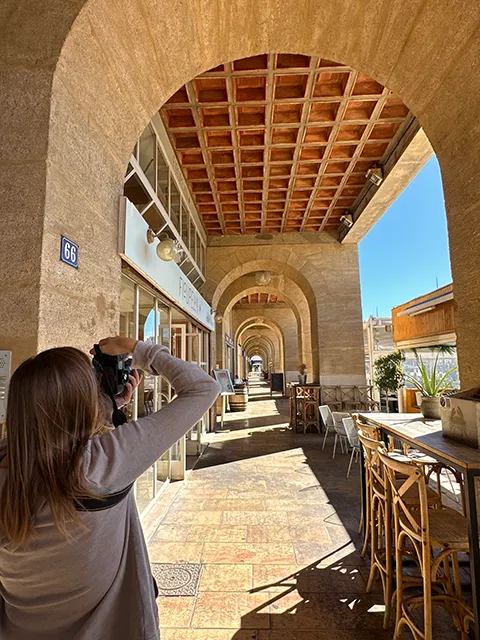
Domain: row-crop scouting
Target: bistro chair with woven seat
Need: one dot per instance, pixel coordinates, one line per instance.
(433, 538)
(369, 431)
(379, 522)
(380, 518)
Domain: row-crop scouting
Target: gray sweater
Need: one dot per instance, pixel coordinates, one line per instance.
(99, 587)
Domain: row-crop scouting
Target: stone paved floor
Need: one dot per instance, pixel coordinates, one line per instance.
(274, 522)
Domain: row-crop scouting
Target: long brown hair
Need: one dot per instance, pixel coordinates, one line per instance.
(53, 409)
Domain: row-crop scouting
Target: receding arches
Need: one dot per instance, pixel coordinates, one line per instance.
(267, 327)
(289, 290)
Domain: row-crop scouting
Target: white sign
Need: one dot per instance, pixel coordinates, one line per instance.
(167, 276)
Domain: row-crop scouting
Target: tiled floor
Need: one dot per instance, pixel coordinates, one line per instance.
(274, 521)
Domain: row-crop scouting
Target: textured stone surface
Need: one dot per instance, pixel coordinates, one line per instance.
(116, 64)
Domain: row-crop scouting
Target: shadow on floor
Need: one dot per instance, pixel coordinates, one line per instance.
(326, 599)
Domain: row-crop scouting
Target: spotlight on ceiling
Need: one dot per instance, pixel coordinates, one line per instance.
(375, 175)
(263, 278)
(347, 220)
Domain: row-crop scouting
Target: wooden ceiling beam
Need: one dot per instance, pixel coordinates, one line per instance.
(360, 146)
(203, 145)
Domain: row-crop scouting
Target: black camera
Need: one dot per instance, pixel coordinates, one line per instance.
(114, 370)
(113, 373)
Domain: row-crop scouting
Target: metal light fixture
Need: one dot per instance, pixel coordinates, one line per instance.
(218, 317)
(347, 220)
(263, 278)
(375, 175)
(167, 248)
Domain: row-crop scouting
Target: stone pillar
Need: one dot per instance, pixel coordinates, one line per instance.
(24, 117)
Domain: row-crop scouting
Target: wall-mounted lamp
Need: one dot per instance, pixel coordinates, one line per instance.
(375, 175)
(167, 249)
(218, 317)
(347, 220)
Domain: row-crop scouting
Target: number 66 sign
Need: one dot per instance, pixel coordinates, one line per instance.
(69, 252)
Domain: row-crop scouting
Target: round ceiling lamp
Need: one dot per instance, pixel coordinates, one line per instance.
(263, 278)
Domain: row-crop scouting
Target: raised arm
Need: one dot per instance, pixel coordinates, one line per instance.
(117, 458)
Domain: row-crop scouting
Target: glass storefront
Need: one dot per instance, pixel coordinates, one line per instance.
(146, 316)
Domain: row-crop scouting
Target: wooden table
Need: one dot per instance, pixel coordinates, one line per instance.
(426, 435)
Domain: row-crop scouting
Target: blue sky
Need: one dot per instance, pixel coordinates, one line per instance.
(407, 250)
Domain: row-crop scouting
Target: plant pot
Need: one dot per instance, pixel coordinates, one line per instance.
(431, 407)
(302, 379)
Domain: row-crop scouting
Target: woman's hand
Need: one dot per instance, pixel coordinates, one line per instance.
(129, 389)
(117, 345)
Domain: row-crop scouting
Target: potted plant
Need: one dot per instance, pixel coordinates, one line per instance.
(302, 374)
(431, 384)
(388, 375)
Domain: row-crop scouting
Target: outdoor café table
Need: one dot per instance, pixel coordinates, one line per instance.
(426, 435)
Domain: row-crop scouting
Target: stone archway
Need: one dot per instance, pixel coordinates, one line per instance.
(250, 326)
(80, 81)
(300, 338)
(287, 282)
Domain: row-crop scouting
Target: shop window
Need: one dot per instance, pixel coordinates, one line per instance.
(127, 324)
(175, 200)
(162, 179)
(136, 192)
(154, 218)
(146, 390)
(147, 154)
(185, 224)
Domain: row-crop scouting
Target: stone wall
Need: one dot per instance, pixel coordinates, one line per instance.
(81, 79)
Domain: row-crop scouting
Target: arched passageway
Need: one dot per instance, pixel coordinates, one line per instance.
(79, 93)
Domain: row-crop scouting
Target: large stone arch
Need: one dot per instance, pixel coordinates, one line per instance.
(80, 80)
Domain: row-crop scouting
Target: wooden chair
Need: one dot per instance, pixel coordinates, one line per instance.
(419, 531)
(379, 498)
(379, 516)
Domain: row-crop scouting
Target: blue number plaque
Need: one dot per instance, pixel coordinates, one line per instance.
(69, 252)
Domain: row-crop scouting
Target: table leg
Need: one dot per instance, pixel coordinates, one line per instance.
(472, 517)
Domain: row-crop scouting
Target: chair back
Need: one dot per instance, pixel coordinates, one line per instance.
(374, 470)
(338, 416)
(404, 476)
(351, 431)
(326, 414)
(368, 430)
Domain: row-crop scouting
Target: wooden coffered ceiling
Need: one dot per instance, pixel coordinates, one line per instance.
(281, 142)
(260, 298)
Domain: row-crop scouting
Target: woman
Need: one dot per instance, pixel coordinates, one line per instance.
(67, 574)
